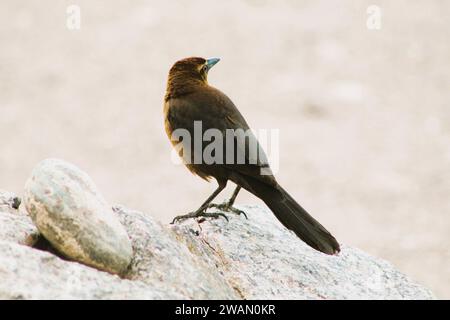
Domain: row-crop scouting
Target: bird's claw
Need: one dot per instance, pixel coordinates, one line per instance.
(228, 208)
(201, 214)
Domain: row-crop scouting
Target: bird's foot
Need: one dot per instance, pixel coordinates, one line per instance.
(200, 214)
(227, 207)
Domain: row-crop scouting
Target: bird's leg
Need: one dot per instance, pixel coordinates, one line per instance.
(201, 212)
(233, 196)
(228, 205)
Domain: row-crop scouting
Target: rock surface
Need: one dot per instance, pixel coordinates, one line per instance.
(70, 212)
(15, 226)
(162, 261)
(27, 273)
(215, 259)
(162, 268)
(9, 202)
(18, 228)
(260, 259)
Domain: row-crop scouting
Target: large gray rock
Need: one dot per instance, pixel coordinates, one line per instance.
(162, 268)
(73, 216)
(261, 259)
(215, 259)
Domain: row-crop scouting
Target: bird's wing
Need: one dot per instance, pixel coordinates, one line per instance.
(216, 111)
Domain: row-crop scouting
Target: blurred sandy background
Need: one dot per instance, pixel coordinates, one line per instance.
(364, 115)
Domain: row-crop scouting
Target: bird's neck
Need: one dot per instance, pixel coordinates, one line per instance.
(178, 86)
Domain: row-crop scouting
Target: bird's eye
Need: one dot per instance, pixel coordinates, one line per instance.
(205, 69)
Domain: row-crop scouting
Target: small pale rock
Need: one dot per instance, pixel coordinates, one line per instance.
(73, 216)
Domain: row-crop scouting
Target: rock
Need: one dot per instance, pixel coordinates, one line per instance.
(9, 202)
(162, 268)
(27, 273)
(162, 261)
(261, 259)
(14, 225)
(17, 228)
(215, 259)
(72, 215)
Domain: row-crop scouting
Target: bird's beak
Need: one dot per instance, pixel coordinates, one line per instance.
(211, 62)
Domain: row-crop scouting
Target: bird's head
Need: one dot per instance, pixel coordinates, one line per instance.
(187, 73)
(195, 68)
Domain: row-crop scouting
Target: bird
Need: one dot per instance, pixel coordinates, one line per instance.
(190, 99)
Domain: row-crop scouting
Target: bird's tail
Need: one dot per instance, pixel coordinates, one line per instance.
(295, 218)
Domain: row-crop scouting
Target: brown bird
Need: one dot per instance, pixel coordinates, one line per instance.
(188, 99)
